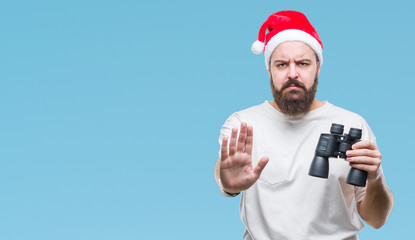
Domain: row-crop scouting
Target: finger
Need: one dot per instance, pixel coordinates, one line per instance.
(249, 140)
(364, 160)
(260, 166)
(224, 148)
(232, 143)
(364, 167)
(364, 144)
(363, 152)
(242, 138)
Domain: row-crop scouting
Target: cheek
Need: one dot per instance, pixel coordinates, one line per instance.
(308, 79)
(277, 85)
(277, 80)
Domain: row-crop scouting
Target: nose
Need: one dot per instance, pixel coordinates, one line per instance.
(293, 71)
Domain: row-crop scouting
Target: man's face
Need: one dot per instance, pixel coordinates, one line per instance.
(294, 73)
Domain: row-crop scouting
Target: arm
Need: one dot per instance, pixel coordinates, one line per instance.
(234, 166)
(378, 202)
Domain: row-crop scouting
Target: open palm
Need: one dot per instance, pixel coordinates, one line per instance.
(236, 170)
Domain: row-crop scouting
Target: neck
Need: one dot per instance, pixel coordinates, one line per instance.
(316, 104)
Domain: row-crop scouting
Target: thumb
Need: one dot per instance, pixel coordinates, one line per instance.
(260, 166)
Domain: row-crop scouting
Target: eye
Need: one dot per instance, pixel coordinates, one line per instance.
(280, 65)
(303, 64)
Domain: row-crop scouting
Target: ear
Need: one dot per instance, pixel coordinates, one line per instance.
(318, 68)
(269, 70)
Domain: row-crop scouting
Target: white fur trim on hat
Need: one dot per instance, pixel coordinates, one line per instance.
(292, 35)
(257, 47)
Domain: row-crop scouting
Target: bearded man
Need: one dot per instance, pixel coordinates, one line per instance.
(279, 200)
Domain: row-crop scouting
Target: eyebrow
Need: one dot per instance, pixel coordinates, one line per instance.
(297, 61)
(303, 60)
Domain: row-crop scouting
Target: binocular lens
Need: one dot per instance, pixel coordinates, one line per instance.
(319, 167)
(336, 129)
(355, 133)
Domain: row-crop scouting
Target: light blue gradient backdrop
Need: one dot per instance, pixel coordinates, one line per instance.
(111, 110)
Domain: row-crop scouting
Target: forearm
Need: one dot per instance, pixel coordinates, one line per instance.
(377, 204)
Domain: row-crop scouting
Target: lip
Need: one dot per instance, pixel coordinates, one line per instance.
(293, 87)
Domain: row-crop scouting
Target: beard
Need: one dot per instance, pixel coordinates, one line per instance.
(295, 101)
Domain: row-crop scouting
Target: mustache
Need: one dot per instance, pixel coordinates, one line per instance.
(293, 82)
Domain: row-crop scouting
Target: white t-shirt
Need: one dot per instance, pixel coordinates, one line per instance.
(285, 202)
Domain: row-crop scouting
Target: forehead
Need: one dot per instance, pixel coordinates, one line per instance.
(293, 50)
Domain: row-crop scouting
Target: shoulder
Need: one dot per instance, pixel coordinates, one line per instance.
(254, 111)
(355, 120)
(347, 114)
(247, 115)
(241, 115)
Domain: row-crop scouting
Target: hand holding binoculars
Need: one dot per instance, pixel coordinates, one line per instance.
(335, 145)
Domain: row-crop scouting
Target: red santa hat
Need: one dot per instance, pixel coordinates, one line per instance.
(286, 26)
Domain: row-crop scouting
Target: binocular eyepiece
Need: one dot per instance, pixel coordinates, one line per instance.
(335, 145)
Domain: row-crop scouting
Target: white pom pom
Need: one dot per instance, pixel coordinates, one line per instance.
(257, 47)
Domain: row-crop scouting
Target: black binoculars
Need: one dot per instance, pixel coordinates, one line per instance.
(336, 144)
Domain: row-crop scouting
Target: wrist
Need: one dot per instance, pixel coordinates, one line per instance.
(225, 192)
(376, 176)
(228, 194)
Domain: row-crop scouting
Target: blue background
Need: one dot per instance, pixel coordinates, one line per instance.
(111, 110)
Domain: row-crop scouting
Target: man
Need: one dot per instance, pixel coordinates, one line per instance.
(279, 200)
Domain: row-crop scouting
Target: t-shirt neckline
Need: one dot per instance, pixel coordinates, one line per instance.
(326, 105)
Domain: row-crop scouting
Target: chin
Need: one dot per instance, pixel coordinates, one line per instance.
(294, 94)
